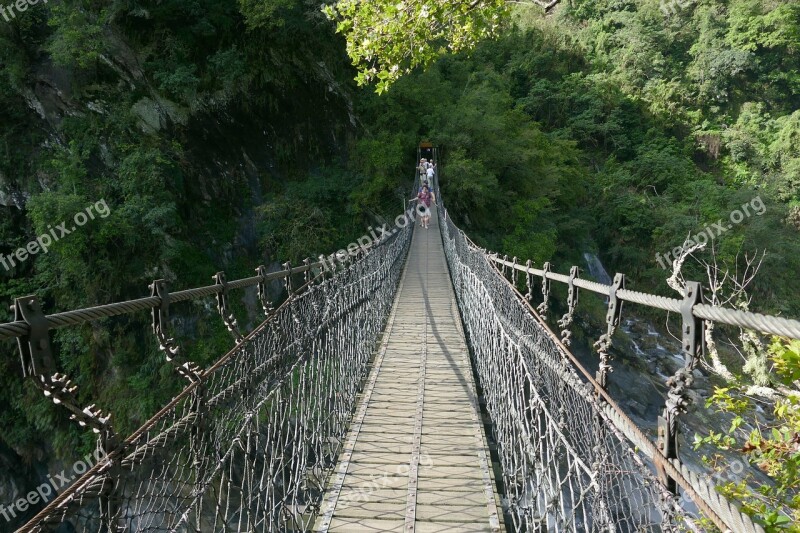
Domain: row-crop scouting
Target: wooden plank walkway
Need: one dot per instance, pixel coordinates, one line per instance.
(416, 457)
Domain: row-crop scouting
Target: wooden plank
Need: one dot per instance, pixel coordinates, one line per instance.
(417, 461)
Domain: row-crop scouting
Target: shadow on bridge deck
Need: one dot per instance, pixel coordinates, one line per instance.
(416, 457)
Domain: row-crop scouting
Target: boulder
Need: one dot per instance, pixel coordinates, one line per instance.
(156, 115)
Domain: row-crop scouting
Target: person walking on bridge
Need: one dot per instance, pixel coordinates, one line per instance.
(424, 199)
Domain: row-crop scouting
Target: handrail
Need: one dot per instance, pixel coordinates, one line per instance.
(775, 325)
(20, 328)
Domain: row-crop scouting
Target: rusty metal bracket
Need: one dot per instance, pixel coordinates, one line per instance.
(224, 310)
(36, 354)
(692, 346)
(572, 303)
(167, 344)
(38, 363)
(161, 319)
(693, 329)
(603, 344)
(542, 309)
(668, 444)
(266, 304)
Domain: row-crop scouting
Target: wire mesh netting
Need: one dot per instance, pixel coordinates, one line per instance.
(248, 447)
(566, 467)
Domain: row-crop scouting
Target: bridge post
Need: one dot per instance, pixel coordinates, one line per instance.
(288, 280)
(167, 344)
(692, 346)
(35, 352)
(528, 284)
(109, 509)
(514, 272)
(190, 371)
(307, 273)
(266, 304)
(199, 433)
(603, 345)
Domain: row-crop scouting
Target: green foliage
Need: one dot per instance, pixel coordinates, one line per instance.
(78, 31)
(386, 39)
(263, 14)
(179, 200)
(772, 444)
(181, 82)
(323, 214)
(534, 236)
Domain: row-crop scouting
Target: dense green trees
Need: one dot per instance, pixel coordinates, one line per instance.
(675, 109)
(183, 116)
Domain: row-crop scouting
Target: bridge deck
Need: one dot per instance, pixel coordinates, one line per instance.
(416, 457)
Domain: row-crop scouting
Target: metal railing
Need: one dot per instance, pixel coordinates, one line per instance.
(543, 358)
(774, 325)
(295, 376)
(552, 406)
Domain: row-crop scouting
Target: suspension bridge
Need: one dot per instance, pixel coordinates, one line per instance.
(413, 387)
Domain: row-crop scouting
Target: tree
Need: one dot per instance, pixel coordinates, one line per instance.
(387, 38)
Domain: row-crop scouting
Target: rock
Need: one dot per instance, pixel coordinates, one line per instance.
(10, 197)
(695, 397)
(150, 115)
(5, 199)
(157, 114)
